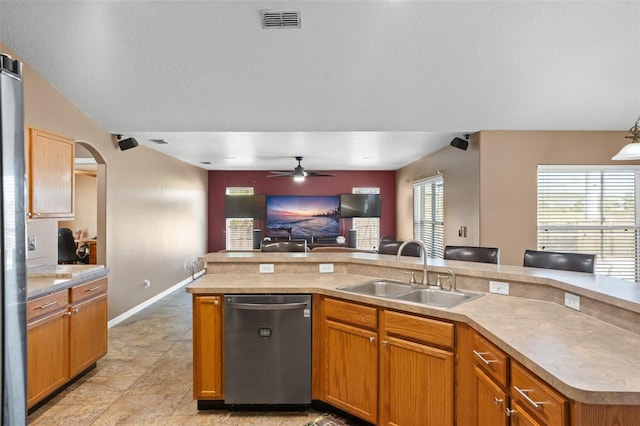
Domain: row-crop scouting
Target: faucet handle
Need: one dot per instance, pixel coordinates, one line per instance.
(443, 277)
(412, 278)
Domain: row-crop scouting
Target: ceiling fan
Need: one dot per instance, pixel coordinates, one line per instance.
(299, 173)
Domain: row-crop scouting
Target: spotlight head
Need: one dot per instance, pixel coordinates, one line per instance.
(460, 143)
(127, 143)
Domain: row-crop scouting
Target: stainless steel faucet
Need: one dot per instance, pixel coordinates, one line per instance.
(425, 276)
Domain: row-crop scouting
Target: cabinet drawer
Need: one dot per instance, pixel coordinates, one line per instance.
(84, 291)
(491, 359)
(417, 328)
(351, 313)
(537, 397)
(46, 304)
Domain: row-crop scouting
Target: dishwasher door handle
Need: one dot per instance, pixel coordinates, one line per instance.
(267, 306)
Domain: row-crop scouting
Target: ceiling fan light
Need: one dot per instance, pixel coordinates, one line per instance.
(298, 178)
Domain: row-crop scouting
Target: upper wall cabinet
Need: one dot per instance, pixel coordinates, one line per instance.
(50, 162)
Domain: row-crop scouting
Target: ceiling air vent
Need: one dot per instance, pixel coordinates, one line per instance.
(159, 141)
(280, 18)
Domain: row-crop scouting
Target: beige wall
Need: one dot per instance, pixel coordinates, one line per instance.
(460, 173)
(508, 179)
(156, 208)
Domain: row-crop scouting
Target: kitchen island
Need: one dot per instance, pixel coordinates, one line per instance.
(587, 358)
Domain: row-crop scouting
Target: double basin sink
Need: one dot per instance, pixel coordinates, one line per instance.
(401, 291)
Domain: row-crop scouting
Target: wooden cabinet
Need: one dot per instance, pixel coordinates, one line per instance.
(350, 362)
(47, 351)
(416, 370)
(66, 334)
(490, 401)
(535, 400)
(50, 175)
(207, 348)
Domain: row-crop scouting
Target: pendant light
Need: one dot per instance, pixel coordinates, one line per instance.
(631, 151)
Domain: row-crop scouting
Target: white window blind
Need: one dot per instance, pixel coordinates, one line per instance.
(428, 214)
(367, 228)
(239, 231)
(591, 210)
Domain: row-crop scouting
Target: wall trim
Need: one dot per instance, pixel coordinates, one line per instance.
(120, 318)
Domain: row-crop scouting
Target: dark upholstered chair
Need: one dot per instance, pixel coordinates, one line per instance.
(472, 254)
(283, 246)
(392, 246)
(578, 262)
(66, 246)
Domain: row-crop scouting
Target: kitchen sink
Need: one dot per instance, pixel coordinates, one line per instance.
(396, 290)
(440, 298)
(380, 288)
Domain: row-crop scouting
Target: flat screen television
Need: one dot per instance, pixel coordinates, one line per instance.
(244, 206)
(303, 216)
(359, 205)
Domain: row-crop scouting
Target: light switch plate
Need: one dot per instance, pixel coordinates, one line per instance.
(266, 268)
(31, 242)
(572, 301)
(498, 287)
(326, 268)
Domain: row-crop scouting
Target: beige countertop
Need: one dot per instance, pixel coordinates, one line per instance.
(47, 279)
(586, 359)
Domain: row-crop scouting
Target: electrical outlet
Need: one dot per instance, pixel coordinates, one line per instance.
(31, 243)
(572, 301)
(266, 268)
(326, 268)
(498, 287)
(147, 283)
(184, 265)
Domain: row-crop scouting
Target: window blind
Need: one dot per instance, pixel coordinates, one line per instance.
(591, 210)
(367, 228)
(239, 231)
(428, 214)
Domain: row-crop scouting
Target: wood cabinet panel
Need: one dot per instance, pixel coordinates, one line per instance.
(537, 397)
(351, 313)
(46, 304)
(520, 417)
(351, 369)
(416, 384)
(490, 358)
(87, 333)
(90, 289)
(51, 177)
(490, 401)
(207, 347)
(47, 355)
(412, 327)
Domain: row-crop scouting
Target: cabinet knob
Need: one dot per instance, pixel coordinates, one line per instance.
(385, 343)
(67, 313)
(76, 310)
(497, 400)
(509, 412)
(372, 339)
(216, 302)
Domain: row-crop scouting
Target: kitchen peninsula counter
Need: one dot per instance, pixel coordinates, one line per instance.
(590, 356)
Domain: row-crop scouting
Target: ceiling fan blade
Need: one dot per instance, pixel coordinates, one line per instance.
(318, 174)
(280, 174)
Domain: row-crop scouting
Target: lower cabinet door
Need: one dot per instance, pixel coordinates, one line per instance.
(351, 369)
(87, 333)
(47, 355)
(207, 347)
(491, 401)
(416, 382)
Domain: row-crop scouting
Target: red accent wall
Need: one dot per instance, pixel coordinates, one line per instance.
(343, 182)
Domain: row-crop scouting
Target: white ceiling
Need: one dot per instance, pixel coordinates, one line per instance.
(363, 85)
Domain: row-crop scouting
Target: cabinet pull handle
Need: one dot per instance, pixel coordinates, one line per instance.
(94, 288)
(523, 393)
(48, 305)
(509, 412)
(497, 400)
(372, 339)
(483, 359)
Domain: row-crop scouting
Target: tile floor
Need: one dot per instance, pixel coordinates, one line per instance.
(146, 379)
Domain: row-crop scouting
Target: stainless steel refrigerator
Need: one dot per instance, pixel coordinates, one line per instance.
(12, 245)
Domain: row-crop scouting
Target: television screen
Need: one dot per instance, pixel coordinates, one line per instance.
(359, 205)
(244, 206)
(302, 216)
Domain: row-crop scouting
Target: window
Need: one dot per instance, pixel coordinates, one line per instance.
(428, 214)
(367, 228)
(239, 230)
(592, 209)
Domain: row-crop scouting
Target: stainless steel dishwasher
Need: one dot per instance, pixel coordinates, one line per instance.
(267, 349)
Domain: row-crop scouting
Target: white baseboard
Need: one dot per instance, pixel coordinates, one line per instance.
(117, 320)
